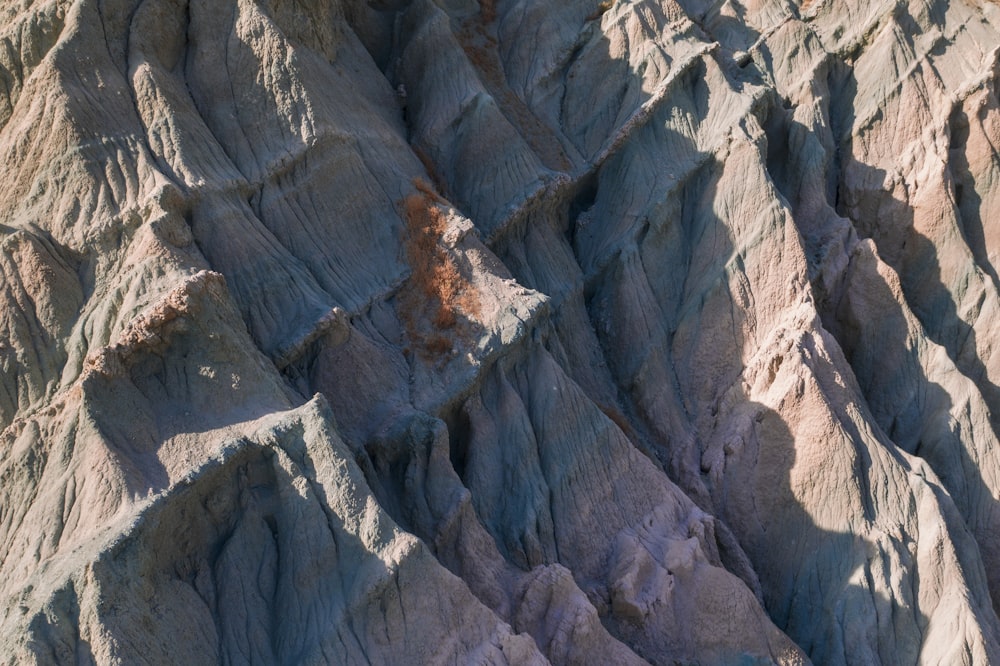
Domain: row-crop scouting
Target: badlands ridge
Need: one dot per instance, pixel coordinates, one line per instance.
(509, 331)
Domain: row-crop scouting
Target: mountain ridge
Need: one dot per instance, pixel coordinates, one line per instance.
(431, 332)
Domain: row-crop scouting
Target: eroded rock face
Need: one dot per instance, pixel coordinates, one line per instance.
(503, 332)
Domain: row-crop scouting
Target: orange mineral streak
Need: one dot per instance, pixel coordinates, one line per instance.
(437, 290)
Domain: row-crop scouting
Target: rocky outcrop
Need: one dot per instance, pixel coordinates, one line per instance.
(499, 332)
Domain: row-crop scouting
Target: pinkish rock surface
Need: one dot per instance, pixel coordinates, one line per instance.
(516, 332)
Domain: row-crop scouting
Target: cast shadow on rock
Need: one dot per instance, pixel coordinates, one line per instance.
(867, 318)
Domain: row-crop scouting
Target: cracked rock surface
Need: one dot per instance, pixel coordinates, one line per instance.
(499, 331)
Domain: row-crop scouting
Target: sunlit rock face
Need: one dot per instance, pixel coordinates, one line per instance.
(335, 331)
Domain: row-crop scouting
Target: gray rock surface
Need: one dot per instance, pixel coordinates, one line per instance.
(648, 331)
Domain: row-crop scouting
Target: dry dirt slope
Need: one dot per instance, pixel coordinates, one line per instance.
(336, 331)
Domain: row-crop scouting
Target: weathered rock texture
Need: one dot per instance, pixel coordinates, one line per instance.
(445, 331)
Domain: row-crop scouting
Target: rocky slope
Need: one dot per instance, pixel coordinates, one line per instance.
(335, 331)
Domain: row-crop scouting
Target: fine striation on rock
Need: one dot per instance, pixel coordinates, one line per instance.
(648, 331)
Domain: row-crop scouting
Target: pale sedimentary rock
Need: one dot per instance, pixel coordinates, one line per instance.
(503, 332)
